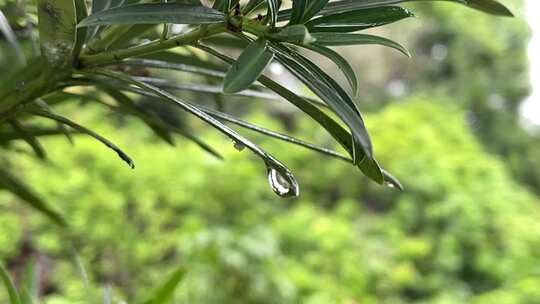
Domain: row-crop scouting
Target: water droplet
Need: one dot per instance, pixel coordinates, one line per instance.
(239, 146)
(389, 185)
(284, 186)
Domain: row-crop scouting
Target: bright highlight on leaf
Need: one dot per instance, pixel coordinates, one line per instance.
(155, 13)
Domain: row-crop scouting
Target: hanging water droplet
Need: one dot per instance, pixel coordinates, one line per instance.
(284, 186)
(239, 146)
(389, 184)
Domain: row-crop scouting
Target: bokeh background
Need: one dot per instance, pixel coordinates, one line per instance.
(446, 122)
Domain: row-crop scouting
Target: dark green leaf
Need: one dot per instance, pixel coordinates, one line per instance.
(298, 9)
(248, 67)
(487, 6)
(356, 20)
(251, 6)
(8, 283)
(155, 13)
(222, 5)
(330, 92)
(87, 131)
(273, 9)
(312, 8)
(30, 139)
(165, 292)
(341, 63)
(343, 39)
(12, 184)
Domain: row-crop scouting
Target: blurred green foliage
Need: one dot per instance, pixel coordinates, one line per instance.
(463, 231)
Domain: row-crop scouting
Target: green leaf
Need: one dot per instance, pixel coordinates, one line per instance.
(155, 13)
(8, 283)
(21, 190)
(57, 31)
(222, 5)
(30, 139)
(488, 6)
(248, 67)
(87, 131)
(81, 12)
(343, 39)
(273, 10)
(298, 9)
(341, 63)
(273, 165)
(251, 6)
(312, 8)
(356, 20)
(165, 292)
(297, 34)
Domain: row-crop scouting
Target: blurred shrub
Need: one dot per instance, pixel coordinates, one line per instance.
(462, 231)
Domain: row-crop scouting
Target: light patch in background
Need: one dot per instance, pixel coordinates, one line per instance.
(530, 109)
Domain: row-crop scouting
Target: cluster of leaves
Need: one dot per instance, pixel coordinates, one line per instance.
(102, 50)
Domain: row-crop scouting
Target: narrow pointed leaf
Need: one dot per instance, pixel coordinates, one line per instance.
(356, 20)
(155, 13)
(273, 9)
(312, 8)
(164, 293)
(343, 39)
(340, 62)
(30, 139)
(298, 9)
(12, 184)
(488, 6)
(251, 6)
(222, 5)
(10, 287)
(87, 131)
(248, 67)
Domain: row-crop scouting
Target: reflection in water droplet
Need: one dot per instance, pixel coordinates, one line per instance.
(239, 146)
(389, 185)
(284, 186)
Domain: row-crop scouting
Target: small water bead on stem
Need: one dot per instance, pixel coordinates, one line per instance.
(283, 185)
(239, 146)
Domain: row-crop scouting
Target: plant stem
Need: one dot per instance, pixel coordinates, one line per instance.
(109, 57)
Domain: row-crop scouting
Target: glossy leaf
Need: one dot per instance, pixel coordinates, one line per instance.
(273, 10)
(488, 6)
(340, 62)
(343, 39)
(356, 20)
(248, 67)
(155, 13)
(222, 5)
(298, 9)
(14, 185)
